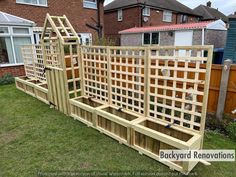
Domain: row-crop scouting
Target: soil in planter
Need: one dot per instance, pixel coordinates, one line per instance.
(168, 131)
(35, 82)
(120, 114)
(89, 102)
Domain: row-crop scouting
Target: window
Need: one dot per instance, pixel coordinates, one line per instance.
(120, 15)
(6, 52)
(21, 30)
(146, 11)
(183, 19)
(155, 38)
(91, 4)
(18, 42)
(167, 16)
(4, 30)
(11, 39)
(147, 38)
(151, 38)
(33, 2)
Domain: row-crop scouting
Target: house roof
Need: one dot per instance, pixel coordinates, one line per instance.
(8, 19)
(209, 13)
(162, 4)
(219, 24)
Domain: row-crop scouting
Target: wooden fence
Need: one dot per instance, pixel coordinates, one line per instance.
(230, 103)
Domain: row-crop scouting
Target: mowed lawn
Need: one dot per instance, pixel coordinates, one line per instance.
(35, 138)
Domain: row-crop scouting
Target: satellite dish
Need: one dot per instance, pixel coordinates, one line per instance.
(145, 19)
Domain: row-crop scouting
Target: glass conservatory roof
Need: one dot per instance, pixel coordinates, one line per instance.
(8, 19)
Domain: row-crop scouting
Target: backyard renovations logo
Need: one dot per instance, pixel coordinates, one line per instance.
(198, 155)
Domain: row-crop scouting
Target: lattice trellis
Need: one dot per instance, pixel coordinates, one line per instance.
(164, 83)
(176, 87)
(127, 78)
(95, 72)
(33, 62)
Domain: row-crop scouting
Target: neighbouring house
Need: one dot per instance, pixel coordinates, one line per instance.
(200, 33)
(123, 14)
(230, 48)
(209, 13)
(86, 16)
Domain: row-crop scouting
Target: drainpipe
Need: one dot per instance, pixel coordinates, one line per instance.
(203, 36)
(203, 39)
(99, 2)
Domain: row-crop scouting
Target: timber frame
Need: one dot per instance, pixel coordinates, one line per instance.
(148, 98)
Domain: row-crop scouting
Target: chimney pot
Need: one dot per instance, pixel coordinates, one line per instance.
(209, 4)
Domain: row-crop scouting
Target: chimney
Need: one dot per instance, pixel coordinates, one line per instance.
(209, 4)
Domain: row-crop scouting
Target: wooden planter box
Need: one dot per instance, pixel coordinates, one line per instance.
(26, 84)
(20, 83)
(115, 123)
(33, 87)
(41, 92)
(83, 109)
(150, 136)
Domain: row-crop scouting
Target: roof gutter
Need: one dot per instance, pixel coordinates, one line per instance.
(154, 7)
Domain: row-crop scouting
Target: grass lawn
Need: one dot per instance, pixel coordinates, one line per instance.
(35, 138)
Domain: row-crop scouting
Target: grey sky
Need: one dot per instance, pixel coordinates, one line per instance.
(225, 6)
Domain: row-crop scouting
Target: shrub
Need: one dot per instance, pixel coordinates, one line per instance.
(231, 130)
(7, 79)
(104, 42)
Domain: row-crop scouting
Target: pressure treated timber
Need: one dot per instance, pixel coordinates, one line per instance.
(150, 136)
(115, 122)
(149, 98)
(83, 109)
(33, 87)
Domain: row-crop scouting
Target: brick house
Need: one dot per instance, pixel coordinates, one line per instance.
(209, 13)
(86, 16)
(122, 14)
(199, 33)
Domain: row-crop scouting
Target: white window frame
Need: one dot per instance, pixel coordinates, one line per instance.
(150, 39)
(32, 4)
(12, 35)
(146, 11)
(167, 14)
(181, 18)
(120, 15)
(89, 4)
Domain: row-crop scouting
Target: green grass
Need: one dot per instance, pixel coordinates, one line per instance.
(35, 138)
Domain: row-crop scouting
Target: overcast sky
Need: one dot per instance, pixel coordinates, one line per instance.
(225, 6)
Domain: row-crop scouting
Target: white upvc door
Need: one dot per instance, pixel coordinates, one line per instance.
(183, 38)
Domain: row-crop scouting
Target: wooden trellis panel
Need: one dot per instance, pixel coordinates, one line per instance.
(178, 85)
(73, 70)
(28, 58)
(127, 78)
(52, 54)
(95, 68)
(33, 62)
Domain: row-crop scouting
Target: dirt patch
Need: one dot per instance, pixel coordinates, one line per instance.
(7, 137)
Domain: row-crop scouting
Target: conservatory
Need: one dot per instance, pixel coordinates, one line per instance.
(14, 32)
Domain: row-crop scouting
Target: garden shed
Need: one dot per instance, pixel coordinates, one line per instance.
(201, 33)
(14, 32)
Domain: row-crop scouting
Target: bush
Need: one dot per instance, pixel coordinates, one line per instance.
(231, 130)
(104, 42)
(212, 123)
(7, 79)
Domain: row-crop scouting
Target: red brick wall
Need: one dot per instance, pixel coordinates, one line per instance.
(13, 70)
(112, 26)
(73, 9)
(132, 18)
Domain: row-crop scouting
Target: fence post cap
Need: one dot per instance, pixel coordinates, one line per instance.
(228, 61)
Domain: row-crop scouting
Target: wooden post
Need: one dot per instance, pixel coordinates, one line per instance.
(223, 89)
